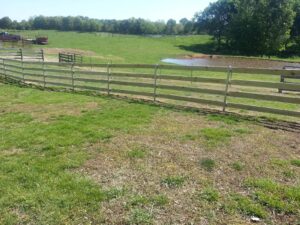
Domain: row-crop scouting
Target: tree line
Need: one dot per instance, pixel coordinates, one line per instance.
(85, 24)
(253, 27)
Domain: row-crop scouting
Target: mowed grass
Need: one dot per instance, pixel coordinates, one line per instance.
(78, 159)
(36, 151)
(120, 48)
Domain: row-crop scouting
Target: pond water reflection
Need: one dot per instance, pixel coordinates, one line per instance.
(231, 61)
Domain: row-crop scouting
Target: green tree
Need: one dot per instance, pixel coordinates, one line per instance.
(249, 26)
(246, 33)
(216, 19)
(171, 26)
(40, 22)
(261, 26)
(5, 23)
(295, 30)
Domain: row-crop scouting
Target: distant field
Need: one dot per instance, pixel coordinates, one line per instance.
(120, 48)
(75, 159)
(105, 47)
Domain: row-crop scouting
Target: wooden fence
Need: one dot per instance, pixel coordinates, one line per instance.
(22, 54)
(70, 57)
(220, 88)
(284, 78)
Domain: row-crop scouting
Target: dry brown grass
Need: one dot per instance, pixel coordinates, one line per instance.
(46, 113)
(169, 152)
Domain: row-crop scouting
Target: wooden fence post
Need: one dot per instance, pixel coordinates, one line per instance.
(43, 56)
(23, 75)
(228, 82)
(281, 81)
(44, 75)
(108, 78)
(72, 75)
(4, 69)
(155, 82)
(21, 54)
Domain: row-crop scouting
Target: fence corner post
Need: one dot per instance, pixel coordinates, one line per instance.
(228, 82)
(155, 82)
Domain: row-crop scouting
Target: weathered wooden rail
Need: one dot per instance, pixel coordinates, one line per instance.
(283, 78)
(22, 54)
(225, 93)
(70, 58)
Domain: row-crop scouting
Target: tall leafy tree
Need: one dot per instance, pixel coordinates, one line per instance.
(5, 23)
(247, 29)
(187, 25)
(279, 20)
(171, 26)
(216, 18)
(249, 26)
(295, 30)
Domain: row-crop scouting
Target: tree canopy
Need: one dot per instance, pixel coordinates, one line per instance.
(252, 26)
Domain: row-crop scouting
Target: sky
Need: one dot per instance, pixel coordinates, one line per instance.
(103, 9)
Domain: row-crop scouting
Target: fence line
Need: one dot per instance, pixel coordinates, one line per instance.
(74, 74)
(22, 54)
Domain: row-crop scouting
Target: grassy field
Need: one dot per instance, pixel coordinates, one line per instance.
(76, 159)
(104, 47)
(118, 48)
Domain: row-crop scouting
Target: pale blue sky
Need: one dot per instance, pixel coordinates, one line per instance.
(103, 9)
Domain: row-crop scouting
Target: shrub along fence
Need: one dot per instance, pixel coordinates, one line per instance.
(226, 89)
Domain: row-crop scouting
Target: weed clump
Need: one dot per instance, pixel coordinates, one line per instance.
(208, 164)
(137, 154)
(214, 136)
(210, 195)
(237, 166)
(296, 162)
(140, 216)
(173, 182)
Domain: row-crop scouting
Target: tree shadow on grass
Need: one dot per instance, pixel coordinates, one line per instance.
(211, 49)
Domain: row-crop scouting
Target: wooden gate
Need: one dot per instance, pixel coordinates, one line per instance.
(70, 58)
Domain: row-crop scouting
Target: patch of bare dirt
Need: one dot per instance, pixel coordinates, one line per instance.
(68, 50)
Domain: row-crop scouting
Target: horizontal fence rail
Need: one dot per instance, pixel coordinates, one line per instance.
(22, 54)
(225, 92)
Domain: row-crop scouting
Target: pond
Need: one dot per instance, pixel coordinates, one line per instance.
(220, 61)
